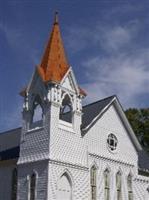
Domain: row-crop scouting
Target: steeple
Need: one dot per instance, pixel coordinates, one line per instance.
(54, 63)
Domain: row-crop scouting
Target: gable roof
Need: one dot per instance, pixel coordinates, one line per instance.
(143, 160)
(10, 144)
(9, 154)
(91, 111)
(96, 110)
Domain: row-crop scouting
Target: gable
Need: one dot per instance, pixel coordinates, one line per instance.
(111, 122)
(36, 84)
(69, 82)
(91, 111)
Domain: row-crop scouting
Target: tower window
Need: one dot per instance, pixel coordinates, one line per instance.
(37, 114)
(66, 110)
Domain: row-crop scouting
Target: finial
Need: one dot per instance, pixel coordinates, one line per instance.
(56, 18)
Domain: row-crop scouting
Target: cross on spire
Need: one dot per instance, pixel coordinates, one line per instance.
(56, 18)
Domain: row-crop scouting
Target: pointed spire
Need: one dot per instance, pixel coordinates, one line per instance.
(54, 63)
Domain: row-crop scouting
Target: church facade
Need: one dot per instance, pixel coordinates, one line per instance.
(66, 151)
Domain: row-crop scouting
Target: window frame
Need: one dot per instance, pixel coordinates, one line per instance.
(129, 186)
(112, 142)
(107, 184)
(93, 182)
(119, 185)
(66, 103)
(29, 178)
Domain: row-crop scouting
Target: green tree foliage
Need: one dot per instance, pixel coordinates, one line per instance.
(139, 120)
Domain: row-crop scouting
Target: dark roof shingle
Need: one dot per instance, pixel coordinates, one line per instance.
(90, 111)
(8, 154)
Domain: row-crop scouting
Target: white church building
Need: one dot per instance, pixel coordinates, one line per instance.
(72, 152)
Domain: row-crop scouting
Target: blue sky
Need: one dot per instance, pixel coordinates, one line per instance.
(107, 44)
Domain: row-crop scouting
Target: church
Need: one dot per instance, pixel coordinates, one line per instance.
(67, 151)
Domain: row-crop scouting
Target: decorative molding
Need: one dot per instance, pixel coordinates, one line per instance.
(140, 179)
(58, 162)
(29, 131)
(29, 160)
(112, 160)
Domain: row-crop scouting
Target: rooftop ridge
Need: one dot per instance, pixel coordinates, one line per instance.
(112, 96)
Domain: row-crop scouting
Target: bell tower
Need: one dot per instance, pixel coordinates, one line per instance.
(52, 102)
(53, 83)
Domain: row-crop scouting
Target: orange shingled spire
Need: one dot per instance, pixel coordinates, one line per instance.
(54, 63)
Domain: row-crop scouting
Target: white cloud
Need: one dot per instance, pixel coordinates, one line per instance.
(121, 68)
(125, 75)
(107, 37)
(115, 38)
(78, 38)
(18, 42)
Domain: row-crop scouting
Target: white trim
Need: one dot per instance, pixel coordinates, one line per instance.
(70, 72)
(107, 168)
(34, 74)
(69, 177)
(108, 172)
(36, 182)
(120, 111)
(66, 171)
(115, 150)
(96, 118)
(66, 126)
(90, 176)
(28, 187)
(63, 97)
(111, 160)
(93, 164)
(127, 125)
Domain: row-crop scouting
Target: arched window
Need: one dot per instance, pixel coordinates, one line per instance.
(107, 184)
(37, 113)
(129, 185)
(119, 185)
(93, 182)
(14, 184)
(64, 188)
(66, 109)
(32, 186)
